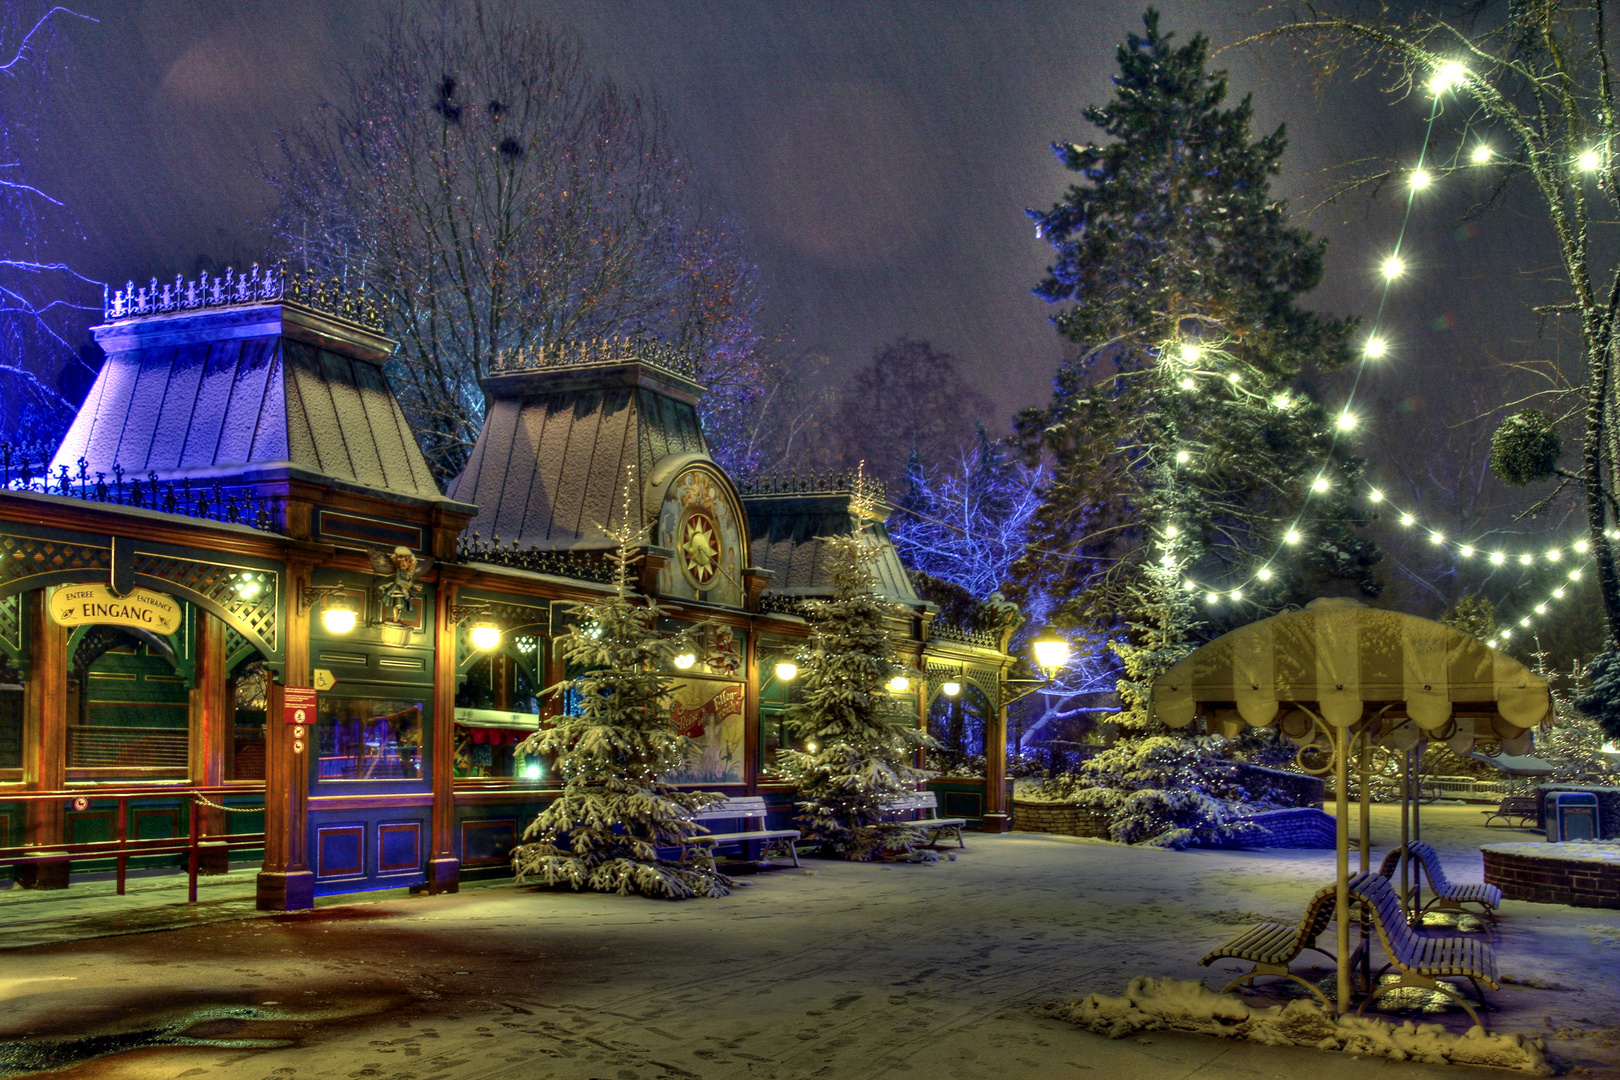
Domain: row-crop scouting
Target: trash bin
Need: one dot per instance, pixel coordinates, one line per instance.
(1573, 815)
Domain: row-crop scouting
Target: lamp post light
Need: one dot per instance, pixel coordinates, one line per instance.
(1051, 654)
(787, 670)
(485, 635)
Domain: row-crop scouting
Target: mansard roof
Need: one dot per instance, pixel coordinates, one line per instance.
(245, 389)
(788, 523)
(562, 431)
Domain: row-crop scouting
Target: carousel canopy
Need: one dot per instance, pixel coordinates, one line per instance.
(1343, 661)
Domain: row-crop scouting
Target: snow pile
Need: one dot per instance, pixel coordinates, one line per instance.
(1568, 851)
(1152, 1004)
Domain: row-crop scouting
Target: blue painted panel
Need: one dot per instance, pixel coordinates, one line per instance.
(340, 851)
(399, 847)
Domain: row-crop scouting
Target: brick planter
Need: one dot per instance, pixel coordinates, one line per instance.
(1545, 874)
(1059, 818)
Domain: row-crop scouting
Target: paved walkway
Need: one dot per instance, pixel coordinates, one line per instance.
(839, 970)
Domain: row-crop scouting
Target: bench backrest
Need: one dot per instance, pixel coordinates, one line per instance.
(1424, 853)
(912, 800)
(1388, 915)
(1318, 913)
(742, 806)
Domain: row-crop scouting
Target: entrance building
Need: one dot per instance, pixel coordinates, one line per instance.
(235, 599)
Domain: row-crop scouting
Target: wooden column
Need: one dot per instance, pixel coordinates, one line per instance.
(211, 715)
(443, 868)
(45, 724)
(755, 679)
(997, 814)
(286, 882)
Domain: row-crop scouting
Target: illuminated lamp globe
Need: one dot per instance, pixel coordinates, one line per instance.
(685, 660)
(951, 689)
(485, 636)
(899, 684)
(248, 588)
(1051, 652)
(338, 619)
(787, 671)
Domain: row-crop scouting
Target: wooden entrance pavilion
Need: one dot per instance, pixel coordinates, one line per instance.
(242, 465)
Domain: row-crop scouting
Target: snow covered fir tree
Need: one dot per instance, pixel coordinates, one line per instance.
(605, 830)
(858, 741)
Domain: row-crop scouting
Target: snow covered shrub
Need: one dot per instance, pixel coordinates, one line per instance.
(1164, 790)
(604, 831)
(858, 740)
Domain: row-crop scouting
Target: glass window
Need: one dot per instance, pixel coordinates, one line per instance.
(497, 707)
(369, 738)
(11, 716)
(246, 745)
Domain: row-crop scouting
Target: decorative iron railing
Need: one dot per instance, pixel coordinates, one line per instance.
(614, 350)
(329, 297)
(964, 635)
(777, 604)
(21, 471)
(580, 565)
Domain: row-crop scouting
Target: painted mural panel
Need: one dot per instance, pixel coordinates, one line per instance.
(711, 715)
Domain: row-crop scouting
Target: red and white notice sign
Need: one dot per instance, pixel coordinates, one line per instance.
(298, 704)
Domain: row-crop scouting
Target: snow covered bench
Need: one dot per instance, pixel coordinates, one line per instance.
(1522, 807)
(1448, 896)
(926, 802)
(746, 809)
(1421, 961)
(1271, 947)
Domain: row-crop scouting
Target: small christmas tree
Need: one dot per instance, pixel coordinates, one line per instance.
(858, 741)
(604, 831)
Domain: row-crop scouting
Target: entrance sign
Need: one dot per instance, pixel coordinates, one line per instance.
(83, 605)
(298, 704)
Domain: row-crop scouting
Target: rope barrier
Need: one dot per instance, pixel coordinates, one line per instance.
(228, 809)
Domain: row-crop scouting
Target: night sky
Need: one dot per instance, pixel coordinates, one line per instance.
(877, 159)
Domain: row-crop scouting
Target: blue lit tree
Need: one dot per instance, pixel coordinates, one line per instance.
(44, 304)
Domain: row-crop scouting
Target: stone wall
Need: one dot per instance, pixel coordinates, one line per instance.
(1062, 819)
(1296, 827)
(1551, 880)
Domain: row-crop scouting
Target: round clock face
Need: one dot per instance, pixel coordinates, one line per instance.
(700, 548)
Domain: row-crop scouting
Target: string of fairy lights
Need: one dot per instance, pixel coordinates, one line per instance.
(1204, 364)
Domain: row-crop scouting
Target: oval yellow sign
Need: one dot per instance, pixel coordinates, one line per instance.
(80, 605)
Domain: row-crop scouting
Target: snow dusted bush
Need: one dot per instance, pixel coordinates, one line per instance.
(1164, 790)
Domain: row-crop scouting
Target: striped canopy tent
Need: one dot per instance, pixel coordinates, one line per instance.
(1339, 676)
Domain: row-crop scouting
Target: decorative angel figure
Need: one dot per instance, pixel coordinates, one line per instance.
(399, 584)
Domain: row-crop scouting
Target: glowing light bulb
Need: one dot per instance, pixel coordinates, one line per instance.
(1190, 585)
(1375, 348)
(1320, 484)
(1237, 594)
(1450, 74)
(899, 684)
(1190, 352)
(1282, 400)
(1393, 267)
(1182, 457)
(685, 660)
(1408, 520)
(1437, 538)
(810, 746)
(1291, 536)
(1346, 422)
(1582, 546)
(1264, 573)
(1188, 384)
(1541, 609)
(1554, 555)
(338, 620)
(1525, 621)
(1466, 552)
(485, 636)
(951, 689)
(249, 588)
(787, 671)
(1171, 530)
(1558, 593)
(1420, 179)
(1482, 154)
(1233, 377)
(531, 772)
(1497, 558)
(1506, 634)
(1213, 598)
(1375, 495)
(1527, 559)
(1575, 575)
(1589, 161)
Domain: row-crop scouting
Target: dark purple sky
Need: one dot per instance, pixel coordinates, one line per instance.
(877, 158)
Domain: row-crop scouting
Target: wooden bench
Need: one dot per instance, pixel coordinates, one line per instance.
(1271, 947)
(1522, 807)
(1421, 961)
(1447, 895)
(926, 802)
(746, 809)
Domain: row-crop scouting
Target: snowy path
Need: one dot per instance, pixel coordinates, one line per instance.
(848, 971)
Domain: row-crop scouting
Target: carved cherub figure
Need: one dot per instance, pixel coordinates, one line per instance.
(399, 584)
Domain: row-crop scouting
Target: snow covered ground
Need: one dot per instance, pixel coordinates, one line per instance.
(838, 971)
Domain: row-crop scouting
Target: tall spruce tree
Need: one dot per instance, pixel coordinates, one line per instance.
(858, 740)
(1187, 448)
(604, 831)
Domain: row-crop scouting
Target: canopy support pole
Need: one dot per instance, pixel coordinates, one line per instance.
(1406, 825)
(1341, 902)
(1366, 800)
(1417, 823)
